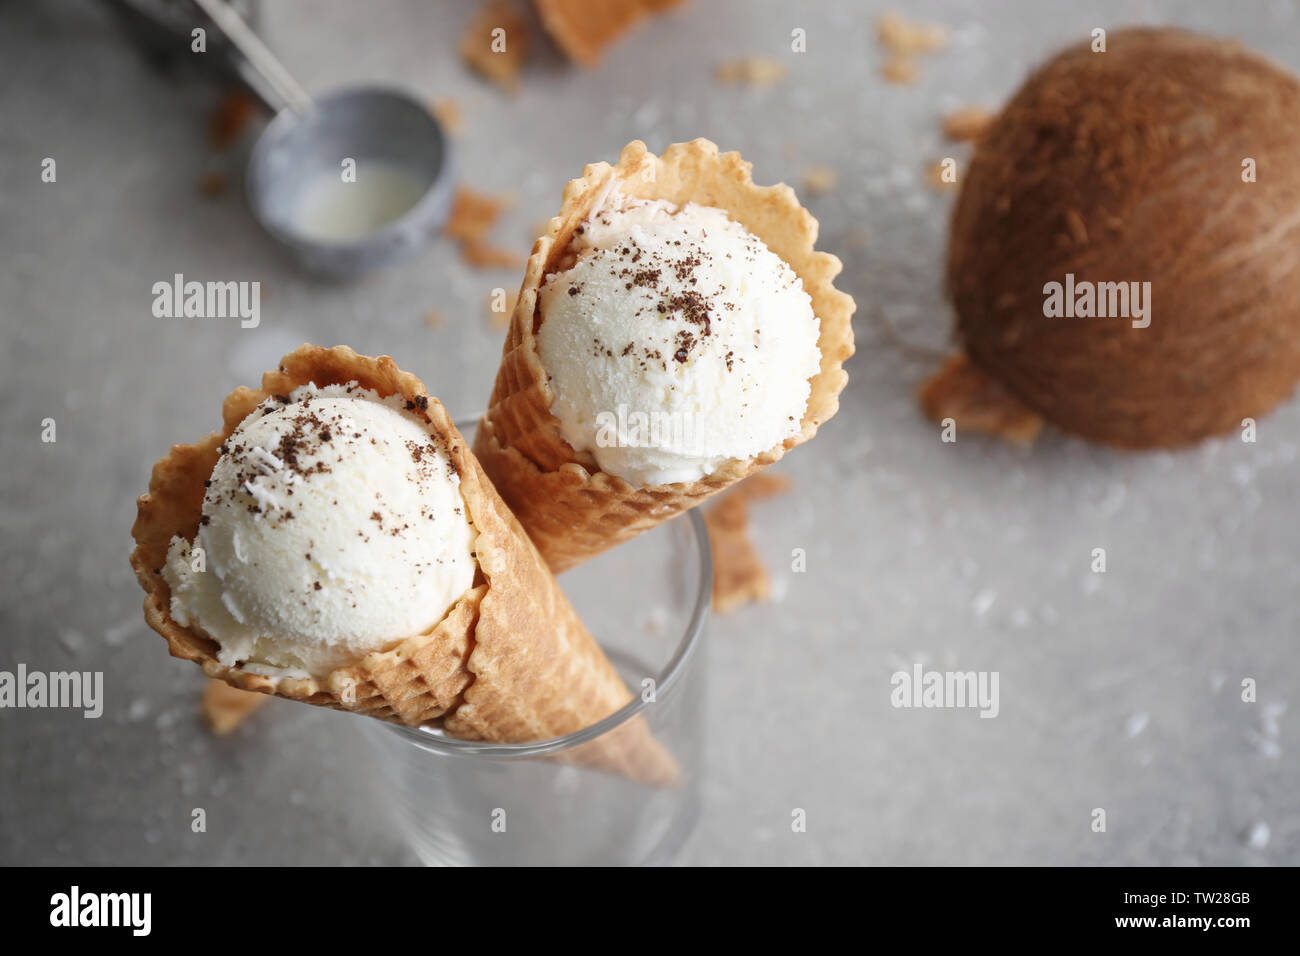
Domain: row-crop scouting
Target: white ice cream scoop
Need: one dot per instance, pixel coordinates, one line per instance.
(332, 526)
(676, 340)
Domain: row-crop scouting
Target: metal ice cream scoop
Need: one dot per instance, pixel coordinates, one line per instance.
(349, 182)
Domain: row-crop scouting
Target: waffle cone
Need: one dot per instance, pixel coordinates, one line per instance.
(510, 662)
(583, 29)
(570, 508)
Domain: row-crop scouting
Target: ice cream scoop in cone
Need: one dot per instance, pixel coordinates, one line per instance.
(724, 362)
(507, 661)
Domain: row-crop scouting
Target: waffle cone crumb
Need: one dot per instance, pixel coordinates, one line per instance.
(473, 215)
(739, 575)
(484, 255)
(752, 71)
(968, 124)
(905, 37)
(820, 180)
(976, 402)
(901, 70)
(225, 707)
(903, 40)
(231, 118)
(496, 42)
(449, 115)
(583, 30)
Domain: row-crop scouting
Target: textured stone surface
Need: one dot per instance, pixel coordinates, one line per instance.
(1119, 691)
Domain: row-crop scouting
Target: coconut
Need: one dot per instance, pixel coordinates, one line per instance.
(1171, 159)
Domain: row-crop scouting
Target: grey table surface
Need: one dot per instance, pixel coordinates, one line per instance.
(1119, 690)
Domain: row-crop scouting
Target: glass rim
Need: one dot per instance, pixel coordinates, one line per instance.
(666, 679)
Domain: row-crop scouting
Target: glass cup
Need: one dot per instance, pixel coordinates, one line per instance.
(473, 803)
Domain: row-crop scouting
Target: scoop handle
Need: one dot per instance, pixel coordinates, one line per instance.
(263, 62)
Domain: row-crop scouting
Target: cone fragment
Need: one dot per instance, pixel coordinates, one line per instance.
(583, 29)
(510, 662)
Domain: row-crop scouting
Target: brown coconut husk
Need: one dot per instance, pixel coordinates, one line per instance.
(1127, 166)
